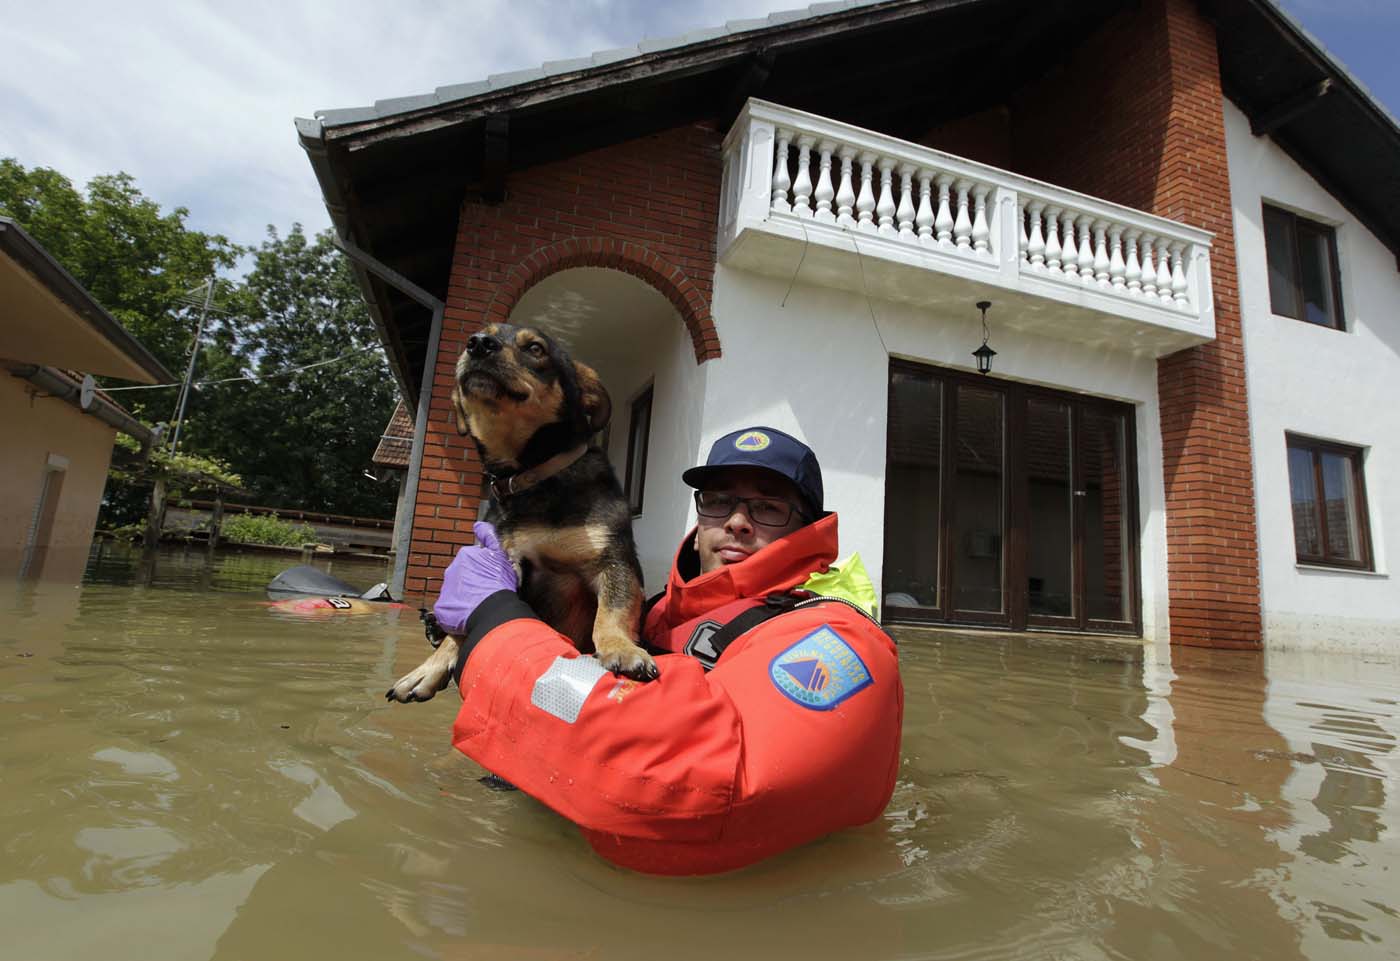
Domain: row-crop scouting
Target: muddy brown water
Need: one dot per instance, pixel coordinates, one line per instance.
(186, 774)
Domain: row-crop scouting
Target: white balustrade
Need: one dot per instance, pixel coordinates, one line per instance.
(824, 193)
(905, 213)
(846, 196)
(781, 183)
(784, 165)
(1052, 238)
(865, 200)
(885, 208)
(802, 186)
(944, 223)
(1069, 252)
(1086, 249)
(924, 218)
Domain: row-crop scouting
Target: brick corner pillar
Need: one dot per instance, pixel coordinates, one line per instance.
(1212, 541)
(645, 207)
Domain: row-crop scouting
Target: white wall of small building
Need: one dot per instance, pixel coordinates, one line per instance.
(818, 367)
(1337, 385)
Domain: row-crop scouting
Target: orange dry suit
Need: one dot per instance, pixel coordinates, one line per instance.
(793, 734)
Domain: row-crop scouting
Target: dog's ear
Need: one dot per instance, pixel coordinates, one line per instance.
(594, 398)
(459, 411)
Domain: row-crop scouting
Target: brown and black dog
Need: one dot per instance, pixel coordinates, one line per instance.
(557, 507)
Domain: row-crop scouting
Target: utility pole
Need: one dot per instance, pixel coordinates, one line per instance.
(189, 371)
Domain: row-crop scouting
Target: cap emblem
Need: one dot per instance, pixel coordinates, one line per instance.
(753, 440)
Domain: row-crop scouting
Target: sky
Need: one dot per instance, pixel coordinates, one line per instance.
(196, 100)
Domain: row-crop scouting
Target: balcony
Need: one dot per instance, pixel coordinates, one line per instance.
(846, 208)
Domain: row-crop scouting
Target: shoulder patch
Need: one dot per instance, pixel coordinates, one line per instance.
(699, 646)
(819, 671)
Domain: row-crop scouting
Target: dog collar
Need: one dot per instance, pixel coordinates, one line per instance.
(506, 487)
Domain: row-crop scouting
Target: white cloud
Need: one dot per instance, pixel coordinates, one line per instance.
(197, 101)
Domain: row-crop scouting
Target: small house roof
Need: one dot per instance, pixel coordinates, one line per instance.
(396, 443)
(51, 320)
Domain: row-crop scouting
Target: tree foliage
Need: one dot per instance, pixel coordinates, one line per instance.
(183, 472)
(136, 261)
(302, 439)
(299, 440)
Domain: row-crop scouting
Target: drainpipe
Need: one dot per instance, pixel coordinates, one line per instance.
(55, 383)
(394, 279)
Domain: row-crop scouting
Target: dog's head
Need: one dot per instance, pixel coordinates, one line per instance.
(515, 384)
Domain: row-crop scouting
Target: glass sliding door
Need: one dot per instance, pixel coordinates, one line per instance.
(1048, 456)
(977, 515)
(913, 491)
(1008, 505)
(1109, 541)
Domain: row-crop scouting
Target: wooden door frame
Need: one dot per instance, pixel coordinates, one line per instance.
(1016, 508)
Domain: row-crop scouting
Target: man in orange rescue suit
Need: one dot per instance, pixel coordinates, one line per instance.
(776, 718)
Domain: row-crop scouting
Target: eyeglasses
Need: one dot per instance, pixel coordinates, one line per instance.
(767, 511)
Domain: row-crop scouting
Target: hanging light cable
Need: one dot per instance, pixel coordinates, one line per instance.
(984, 354)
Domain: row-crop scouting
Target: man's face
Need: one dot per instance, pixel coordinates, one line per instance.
(731, 539)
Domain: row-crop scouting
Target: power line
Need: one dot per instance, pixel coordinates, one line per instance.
(230, 380)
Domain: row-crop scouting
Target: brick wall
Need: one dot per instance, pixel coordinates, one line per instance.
(1137, 117)
(647, 207)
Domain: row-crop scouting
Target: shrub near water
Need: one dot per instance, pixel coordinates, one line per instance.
(266, 529)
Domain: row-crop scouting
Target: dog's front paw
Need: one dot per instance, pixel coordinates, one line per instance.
(425, 680)
(628, 660)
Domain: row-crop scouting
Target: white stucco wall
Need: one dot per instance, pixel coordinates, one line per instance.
(1342, 386)
(666, 360)
(818, 369)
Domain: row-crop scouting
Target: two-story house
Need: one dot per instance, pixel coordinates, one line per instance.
(1182, 219)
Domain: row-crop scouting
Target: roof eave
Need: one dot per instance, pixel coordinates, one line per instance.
(30, 254)
(311, 134)
(408, 116)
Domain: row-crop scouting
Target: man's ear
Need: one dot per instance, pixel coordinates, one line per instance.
(459, 410)
(594, 397)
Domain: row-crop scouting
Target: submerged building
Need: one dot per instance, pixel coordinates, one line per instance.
(56, 444)
(1183, 217)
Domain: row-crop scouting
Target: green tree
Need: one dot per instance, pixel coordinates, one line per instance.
(137, 262)
(302, 439)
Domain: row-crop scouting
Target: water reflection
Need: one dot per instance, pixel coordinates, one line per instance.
(179, 759)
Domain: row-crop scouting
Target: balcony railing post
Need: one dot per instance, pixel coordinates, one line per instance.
(757, 195)
(1201, 297)
(1008, 229)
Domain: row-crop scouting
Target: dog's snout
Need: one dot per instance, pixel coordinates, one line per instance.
(479, 345)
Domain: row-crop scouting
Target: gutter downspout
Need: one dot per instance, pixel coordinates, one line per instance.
(55, 384)
(420, 419)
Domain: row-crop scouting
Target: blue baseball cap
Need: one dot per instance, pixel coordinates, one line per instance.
(769, 449)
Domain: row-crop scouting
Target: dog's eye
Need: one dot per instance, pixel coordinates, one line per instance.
(535, 350)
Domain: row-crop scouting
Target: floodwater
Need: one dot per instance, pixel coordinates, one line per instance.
(186, 774)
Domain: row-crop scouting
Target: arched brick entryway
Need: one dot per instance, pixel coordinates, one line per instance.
(611, 254)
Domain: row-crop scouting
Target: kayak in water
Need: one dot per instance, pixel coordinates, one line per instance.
(309, 590)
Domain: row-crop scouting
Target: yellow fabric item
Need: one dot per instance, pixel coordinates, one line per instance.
(848, 580)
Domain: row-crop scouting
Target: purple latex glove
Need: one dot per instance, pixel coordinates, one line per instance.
(475, 574)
